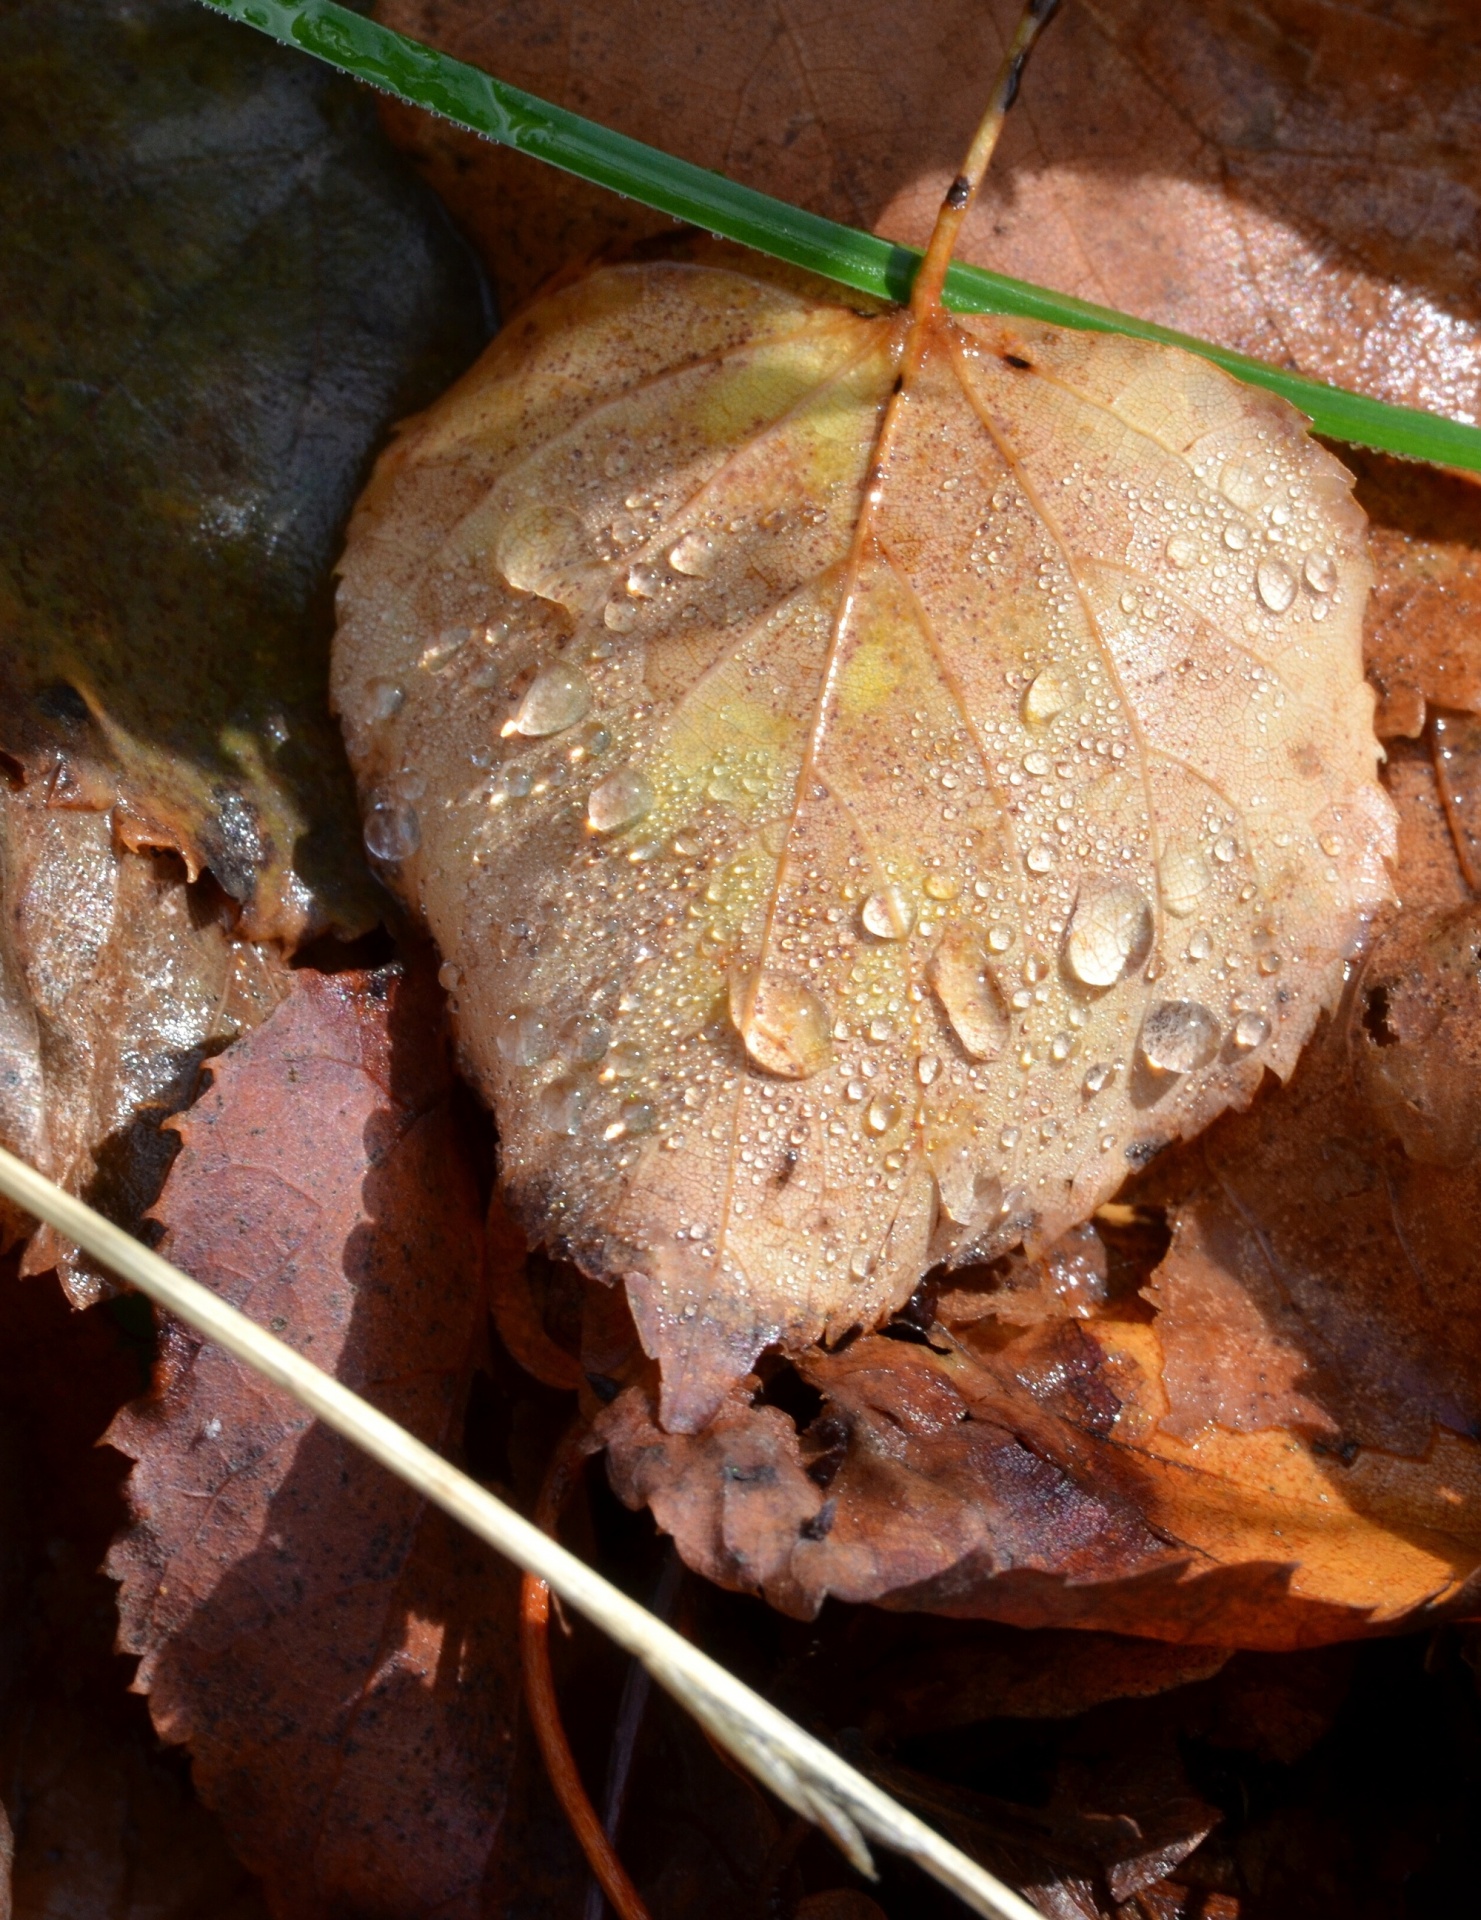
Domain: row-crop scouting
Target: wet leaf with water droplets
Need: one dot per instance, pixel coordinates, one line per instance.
(934, 801)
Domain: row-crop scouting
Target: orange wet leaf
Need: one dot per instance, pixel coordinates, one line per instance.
(863, 823)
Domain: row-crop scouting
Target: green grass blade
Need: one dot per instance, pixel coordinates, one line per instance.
(470, 98)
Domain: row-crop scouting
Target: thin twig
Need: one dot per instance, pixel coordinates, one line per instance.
(545, 1715)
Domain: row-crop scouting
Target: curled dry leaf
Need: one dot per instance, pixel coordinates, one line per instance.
(339, 1658)
(202, 346)
(852, 853)
(117, 979)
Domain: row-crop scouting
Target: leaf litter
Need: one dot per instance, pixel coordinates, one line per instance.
(1020, 1321)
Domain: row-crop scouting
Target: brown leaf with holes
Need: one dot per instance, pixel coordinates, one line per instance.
(338, 1657)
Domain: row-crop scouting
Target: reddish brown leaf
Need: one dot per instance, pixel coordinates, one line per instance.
(339, 1658)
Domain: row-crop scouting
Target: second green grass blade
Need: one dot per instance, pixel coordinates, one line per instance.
(470, 98)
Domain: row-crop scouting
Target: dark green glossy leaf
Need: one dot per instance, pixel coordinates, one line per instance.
(218, 287)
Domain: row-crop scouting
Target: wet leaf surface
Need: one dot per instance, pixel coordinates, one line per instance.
(203, 347)
(859, 828)
(118, 978)
(338, 1658)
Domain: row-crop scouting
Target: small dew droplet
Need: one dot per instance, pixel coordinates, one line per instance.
(783, 1024)
(1097, 1078)
(619, 616)
(525, 1038)
(1046, 695)
(1110, 927)
(1319, 571)
(1183, 879)
(694, 555)
(1250, 1030)
(881, 1116)
(1039, 859)
(563, 1106)
(585, 1039)
(888, 915)
(927, 1067)
(382, 699)
(1181, 550)
(958, 975)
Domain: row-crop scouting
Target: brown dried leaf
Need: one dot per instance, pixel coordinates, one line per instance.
(117, 979)
(852, 855)
(339, 1658)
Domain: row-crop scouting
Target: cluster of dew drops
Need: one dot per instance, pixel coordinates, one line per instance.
(1261, 554)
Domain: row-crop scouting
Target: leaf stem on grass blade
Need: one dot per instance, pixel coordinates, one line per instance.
(424, 77)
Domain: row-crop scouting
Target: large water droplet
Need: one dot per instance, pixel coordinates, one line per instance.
(1241, 483)
(1183, 878)
(958, 975)
(382, 699)
(1047, 694)
(585, 1039)
(783, 1024)
(1181, 550)
(555, 699)
(1275, 584)
(563, 1106)
(881, 1115)
(392, 831)
(695, 555)
(1320, 573)
(1251, 1030)
(525, 1037)
(1109, 929)
(888, 915)
(968, 1192)
(621, 798)
(1179, 1036)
